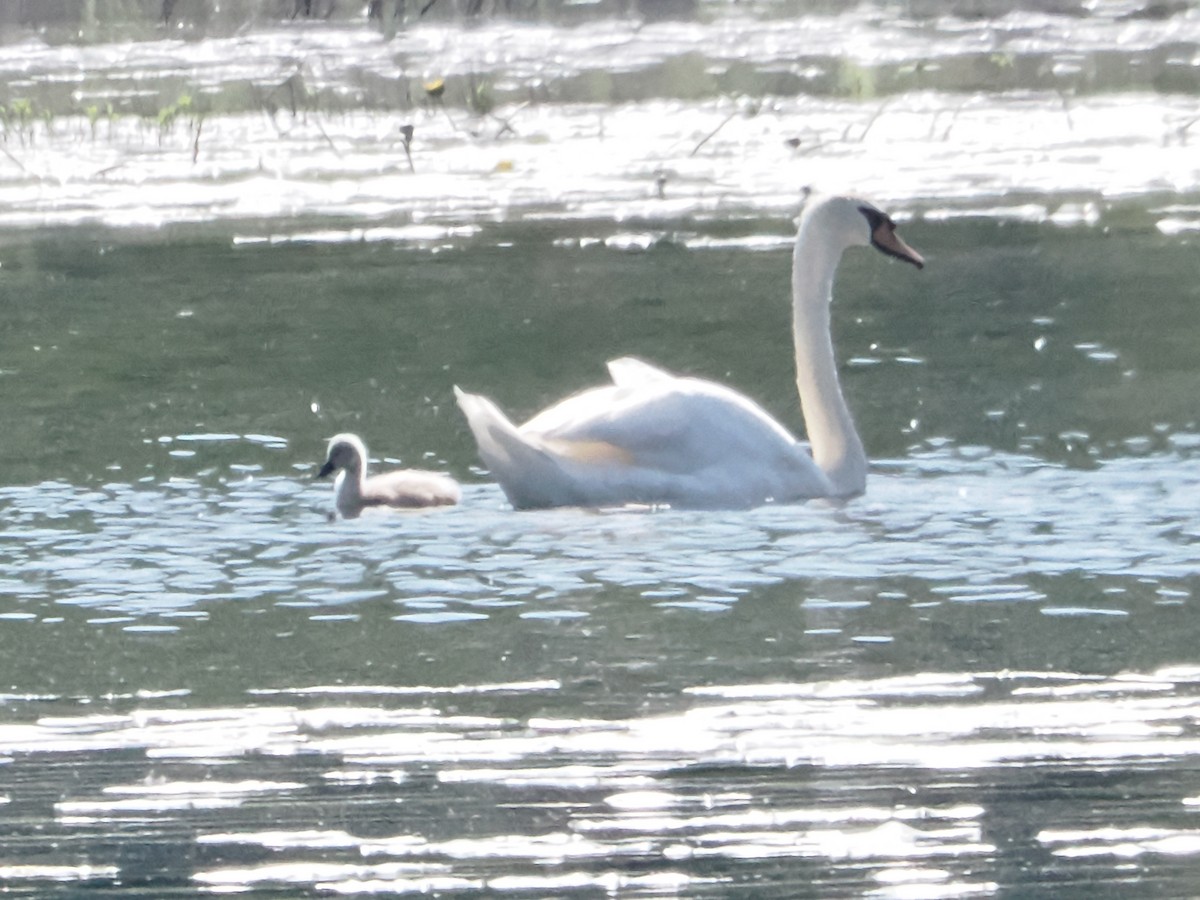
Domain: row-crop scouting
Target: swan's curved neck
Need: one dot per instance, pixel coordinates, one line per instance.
(836, 447)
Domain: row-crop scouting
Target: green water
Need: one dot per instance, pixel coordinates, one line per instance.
(1014, 337)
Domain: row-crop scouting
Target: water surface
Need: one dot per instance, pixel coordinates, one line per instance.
(979, 679)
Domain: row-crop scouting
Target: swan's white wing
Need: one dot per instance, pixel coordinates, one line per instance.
(629, 371)
(652, 438)
(630, 376)
(670, 424)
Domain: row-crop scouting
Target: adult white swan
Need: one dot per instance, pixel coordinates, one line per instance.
(655, 437)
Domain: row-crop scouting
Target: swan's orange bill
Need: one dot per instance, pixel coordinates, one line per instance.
(885, 238)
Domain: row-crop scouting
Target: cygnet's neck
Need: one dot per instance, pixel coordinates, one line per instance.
(836, 447)
(350, 484)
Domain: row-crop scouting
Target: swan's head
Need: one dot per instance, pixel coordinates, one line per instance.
(857, 223)
(346, 451)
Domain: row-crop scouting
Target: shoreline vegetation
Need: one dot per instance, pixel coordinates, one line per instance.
(90, 19)
(663, 109)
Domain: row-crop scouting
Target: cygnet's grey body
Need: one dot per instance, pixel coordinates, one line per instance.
(401, 489)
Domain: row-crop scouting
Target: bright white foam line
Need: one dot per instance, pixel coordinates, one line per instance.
(571, 776)
(768, 819)
(75, 809)
(392, 886)
(364, 776)
(404, 690)
(642, 800)
(178, 795)
(891, 840)
(545, 849)
(1115, 686)
(285, 840)
(1173, 226)
(919, 685)
(203, 788)
(755, 242)
(222, 732)
(57, 873)
(234, 733)
(410, 233)
(1124, 843)
(911, 875)
(850, 733)
(310, 872)
(831, 723)
(551, 848)
(928, 891)
(611, 882)
(332, 718)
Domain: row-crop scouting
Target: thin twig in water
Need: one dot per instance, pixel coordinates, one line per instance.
(196, 142)
(16, 162)
(1178, 132)
(708, 137)
(1066, 105)
(327, 138)
(870, 122)
(406, 132)
(506, 121)
(953, 121)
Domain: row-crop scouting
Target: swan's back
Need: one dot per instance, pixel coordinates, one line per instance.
(651, 437)
(410, 489)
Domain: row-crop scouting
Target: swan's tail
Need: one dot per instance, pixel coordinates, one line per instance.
(526, 471)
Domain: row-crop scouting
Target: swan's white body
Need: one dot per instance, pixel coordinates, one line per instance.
(657, 438)
(355, 491)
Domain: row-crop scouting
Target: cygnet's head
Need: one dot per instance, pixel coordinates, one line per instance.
(346, 451)
(857, 223)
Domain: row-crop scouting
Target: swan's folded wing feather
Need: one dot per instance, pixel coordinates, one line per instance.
(669, 424)
(679, 441)
(631, 372)
(630, 377)
(411, 488)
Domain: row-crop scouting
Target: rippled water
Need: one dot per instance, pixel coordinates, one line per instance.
(980, 679)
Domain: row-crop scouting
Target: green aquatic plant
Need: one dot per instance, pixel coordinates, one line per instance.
(17, 118)
(480, 96)
(857, 81)
(167, 115)
(186, 109)
(95, 113)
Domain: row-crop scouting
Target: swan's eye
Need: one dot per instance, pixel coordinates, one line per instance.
(875, 218)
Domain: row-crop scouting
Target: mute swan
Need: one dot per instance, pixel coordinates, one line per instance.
(655, 437)
(401, 489)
